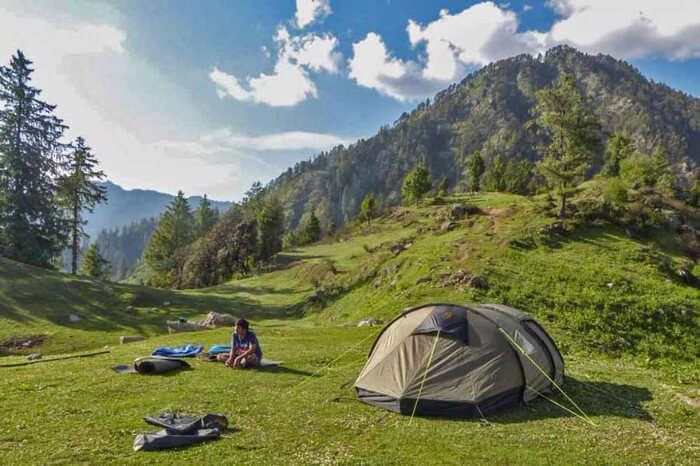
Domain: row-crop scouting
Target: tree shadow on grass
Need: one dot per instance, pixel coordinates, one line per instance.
(596, 399)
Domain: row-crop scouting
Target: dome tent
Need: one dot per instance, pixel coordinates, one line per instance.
(475, 368)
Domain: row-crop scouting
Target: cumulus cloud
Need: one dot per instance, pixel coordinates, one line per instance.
(373, 66)
(629, 29)
(289, 83)
(486, 32)
(309, 11)
(476, 36)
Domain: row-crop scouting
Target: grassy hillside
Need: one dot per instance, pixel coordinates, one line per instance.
(34, 301)
(626, 322)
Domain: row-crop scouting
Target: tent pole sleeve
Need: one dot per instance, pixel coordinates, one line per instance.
(430, 360)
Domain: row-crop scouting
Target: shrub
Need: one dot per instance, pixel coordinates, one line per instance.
(616, 192)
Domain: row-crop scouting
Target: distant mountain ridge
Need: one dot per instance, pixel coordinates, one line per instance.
(488, 111)
(125, 206)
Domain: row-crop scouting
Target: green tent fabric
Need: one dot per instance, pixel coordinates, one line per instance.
(474, 368)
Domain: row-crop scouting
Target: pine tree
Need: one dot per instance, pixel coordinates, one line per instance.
(254, 198)
(368, 208)
(270, 221)
(312, 229)
(78, 192)
(32, 227)
(443, 187)
(618, 148)
(122, 268)
(94, 265)
(574, 136)
(476, 168)
(205, 217)
(290, 240)
(331, 228)
(417, 183)
(175, 230)
(496, 175)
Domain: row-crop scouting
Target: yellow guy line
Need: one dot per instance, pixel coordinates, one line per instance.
(333, 361)
(430, 360)
(547, 376)
(562, 406)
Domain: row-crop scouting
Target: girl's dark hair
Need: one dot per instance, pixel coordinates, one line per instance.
(242, 323)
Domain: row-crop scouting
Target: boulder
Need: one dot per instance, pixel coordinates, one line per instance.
(166, 303)
(688, 229)
(458, 211)
(216, 320)
(479, 283)
(675, 220)
(369, 322)
(175, 326)
(35, 356)
(396, 248)
(129, 308)
(447, 225)
(74, 318)
(130, 339)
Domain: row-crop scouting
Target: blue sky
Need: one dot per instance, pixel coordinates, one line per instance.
(210, 96)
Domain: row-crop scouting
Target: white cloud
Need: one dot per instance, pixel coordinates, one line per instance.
(289, 84)
(476, 36)
(225, 141)
(314, 51)
(227, 156)
(527, 7)
(309, 11)
(372, 66)
(84, 67)
(486, 32)
(630, 29)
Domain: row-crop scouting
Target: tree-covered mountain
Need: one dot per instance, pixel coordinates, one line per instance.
(124, 246)
(491, 111)
(125, 207)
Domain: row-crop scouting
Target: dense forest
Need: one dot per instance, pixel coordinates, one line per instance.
(123, 247)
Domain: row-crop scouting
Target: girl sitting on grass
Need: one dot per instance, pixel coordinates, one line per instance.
(245, 349)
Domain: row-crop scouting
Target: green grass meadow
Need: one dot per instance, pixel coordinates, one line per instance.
(628, 328)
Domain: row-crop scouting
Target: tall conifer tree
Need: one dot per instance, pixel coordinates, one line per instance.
(94, 265)
(32, 227)
(175, 230)
(206, 216)
(417, 183)
(270, 222)
(79, 192)
(312, 229)
(476, 168)
(573, 132)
